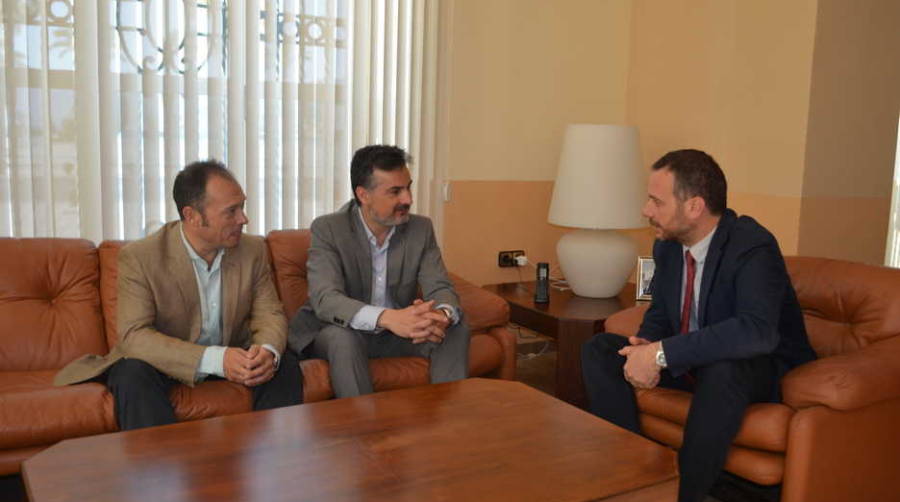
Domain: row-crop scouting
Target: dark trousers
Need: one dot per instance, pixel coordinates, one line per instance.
(141, 393)
(722, 392)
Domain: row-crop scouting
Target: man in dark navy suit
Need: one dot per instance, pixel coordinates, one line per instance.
(723, 323)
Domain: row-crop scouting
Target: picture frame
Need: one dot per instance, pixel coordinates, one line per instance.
(645, 269)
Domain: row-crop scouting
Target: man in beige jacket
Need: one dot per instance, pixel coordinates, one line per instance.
(195, 301)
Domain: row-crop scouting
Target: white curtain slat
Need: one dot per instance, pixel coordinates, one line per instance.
(236, 74)
(41, 158)
(289, 118)
(306, 135)
(416, 46)
(131, 98)
(272, 190)
(6, 206)
(328, 135)
(87, 102)
(215, 85)
(401, 61)
(252, 112)
(191, 85)
(19, 149)
(171, 107)
(110, 175)
(389, 68)
(133, 196)
(376, 82)
(153, 168)
(358, 64)
(426, 122)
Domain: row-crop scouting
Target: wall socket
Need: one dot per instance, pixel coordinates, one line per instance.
(508, 258)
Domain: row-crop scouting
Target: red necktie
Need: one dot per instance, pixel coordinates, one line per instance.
(688, 292)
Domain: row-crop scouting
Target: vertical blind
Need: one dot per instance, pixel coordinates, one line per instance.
(102, 102)
(892, 252)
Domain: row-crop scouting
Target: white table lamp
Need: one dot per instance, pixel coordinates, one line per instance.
(600, 187)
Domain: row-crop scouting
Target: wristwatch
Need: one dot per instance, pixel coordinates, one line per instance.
(447, 312)
(660, 357)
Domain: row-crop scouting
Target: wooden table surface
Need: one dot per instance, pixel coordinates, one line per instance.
(477, 439)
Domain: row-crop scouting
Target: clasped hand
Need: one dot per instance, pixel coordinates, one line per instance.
(420, 322)
(250, 367)
(641, 369)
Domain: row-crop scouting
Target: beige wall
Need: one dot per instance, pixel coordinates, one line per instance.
(854, 102)
(519, 71)
(797, 100)
(732, 78)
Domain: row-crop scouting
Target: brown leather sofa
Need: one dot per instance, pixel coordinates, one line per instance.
(836, 436)
(58, 302)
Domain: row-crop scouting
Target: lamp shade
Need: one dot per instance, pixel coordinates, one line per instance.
(600, 183)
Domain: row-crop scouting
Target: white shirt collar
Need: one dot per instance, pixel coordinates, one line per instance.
(193, 254)
(372, 240)
(700, 248)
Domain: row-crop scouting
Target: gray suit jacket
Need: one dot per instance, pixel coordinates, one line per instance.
(339, 271)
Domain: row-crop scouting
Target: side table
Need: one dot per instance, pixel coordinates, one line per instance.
(568, 318)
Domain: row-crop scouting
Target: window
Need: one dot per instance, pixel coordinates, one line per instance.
(103, 102)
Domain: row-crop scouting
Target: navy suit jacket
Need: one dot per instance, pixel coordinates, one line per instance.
(747, 306)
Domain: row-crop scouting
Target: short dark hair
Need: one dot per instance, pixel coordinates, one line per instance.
(696, 175)
(189, 188)
(368, 158)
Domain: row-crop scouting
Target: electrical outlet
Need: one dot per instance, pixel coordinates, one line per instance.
(508, 258)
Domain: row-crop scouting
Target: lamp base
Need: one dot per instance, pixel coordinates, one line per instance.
(597, 263)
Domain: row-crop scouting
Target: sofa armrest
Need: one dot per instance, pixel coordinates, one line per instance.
(482, 309)
(626, 322)
(846, 381)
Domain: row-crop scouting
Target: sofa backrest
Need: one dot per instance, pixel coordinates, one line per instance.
(288, 250)
(49, 303)
(109, 277)
(846, 305)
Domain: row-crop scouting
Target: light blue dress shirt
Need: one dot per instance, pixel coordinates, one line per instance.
(366, 318)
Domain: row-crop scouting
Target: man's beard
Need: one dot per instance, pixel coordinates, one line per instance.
(393, 219)
(677, 234)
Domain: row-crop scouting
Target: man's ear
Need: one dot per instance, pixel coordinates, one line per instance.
(696, 206)
(362, 194)
(191, 216)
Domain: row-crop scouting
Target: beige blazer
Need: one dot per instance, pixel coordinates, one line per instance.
(159, 317)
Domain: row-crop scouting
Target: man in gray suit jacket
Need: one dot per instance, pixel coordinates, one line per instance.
(367, 264)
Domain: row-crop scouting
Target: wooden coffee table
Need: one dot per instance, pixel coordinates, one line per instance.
(476, 439)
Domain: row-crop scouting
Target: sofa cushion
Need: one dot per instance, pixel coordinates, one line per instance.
(214, 398)
(765, 425)
(33, 412)
(762, 467)
(49, 303)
